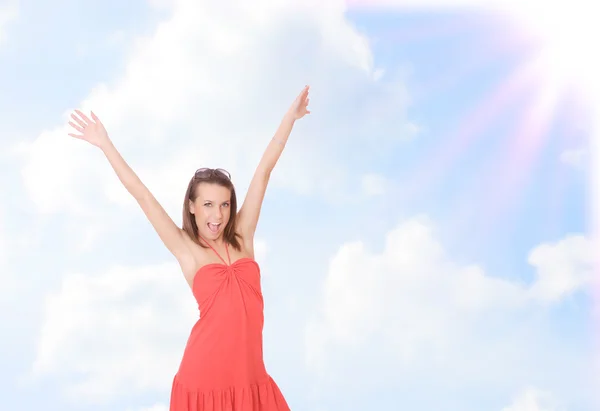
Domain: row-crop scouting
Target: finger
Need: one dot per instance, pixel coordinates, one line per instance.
(76, 136)
(79, 121)
(76, 127)
(83, 116)
(95, 117)
(75, 117)
(304, 91)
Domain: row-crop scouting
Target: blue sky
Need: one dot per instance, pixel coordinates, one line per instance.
(414, 254)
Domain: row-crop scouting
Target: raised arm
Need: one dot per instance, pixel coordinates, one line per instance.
(93, 131)
(250, 210)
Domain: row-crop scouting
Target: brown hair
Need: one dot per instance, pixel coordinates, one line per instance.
(210, 176)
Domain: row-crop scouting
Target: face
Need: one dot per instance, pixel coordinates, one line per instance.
(211, 209)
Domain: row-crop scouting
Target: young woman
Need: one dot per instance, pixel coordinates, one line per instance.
(222, 366)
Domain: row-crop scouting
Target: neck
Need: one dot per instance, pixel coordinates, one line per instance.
(217, 242)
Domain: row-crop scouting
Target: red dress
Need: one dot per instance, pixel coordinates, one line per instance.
(222, 368)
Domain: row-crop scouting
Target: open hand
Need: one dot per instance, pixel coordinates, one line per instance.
(299, 107)
(92, 131)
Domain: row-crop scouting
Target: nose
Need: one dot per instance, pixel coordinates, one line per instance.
(218, 213)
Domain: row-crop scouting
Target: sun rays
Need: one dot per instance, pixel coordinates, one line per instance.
(554, 58)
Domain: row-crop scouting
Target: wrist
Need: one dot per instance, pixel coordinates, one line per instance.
(106, 145)
(289, 117)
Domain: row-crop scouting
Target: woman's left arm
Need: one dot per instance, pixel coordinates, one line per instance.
(250, 210)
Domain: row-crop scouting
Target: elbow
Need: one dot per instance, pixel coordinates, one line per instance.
(140, 192)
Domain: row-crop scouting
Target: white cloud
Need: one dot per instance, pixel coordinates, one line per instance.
(116, 332)
(562, 268)
(365, 293)
(64, 166)
(416, 309)
(533, 399)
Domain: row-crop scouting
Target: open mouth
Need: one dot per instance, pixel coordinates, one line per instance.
(214, 227)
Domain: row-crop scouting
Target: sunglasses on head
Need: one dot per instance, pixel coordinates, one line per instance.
(210, 172)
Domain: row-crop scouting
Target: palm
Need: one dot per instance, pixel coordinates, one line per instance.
(91, 130)
(299, 107)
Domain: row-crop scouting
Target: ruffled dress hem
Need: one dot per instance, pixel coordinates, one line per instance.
(262, 396)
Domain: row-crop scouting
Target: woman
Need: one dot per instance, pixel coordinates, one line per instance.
(222, 366)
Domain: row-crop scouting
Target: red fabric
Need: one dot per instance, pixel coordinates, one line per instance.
(222, 368)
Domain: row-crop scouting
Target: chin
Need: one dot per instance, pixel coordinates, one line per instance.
(209, 234)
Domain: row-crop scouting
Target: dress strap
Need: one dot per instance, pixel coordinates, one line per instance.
(215, 251)
(227, 251)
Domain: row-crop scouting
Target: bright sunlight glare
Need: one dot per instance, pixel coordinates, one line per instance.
(569, 60)
(567, 31)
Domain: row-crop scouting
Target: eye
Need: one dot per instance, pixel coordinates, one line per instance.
(225, 204)
(207, 204)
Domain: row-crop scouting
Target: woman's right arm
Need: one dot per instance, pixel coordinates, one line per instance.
(173, 237)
